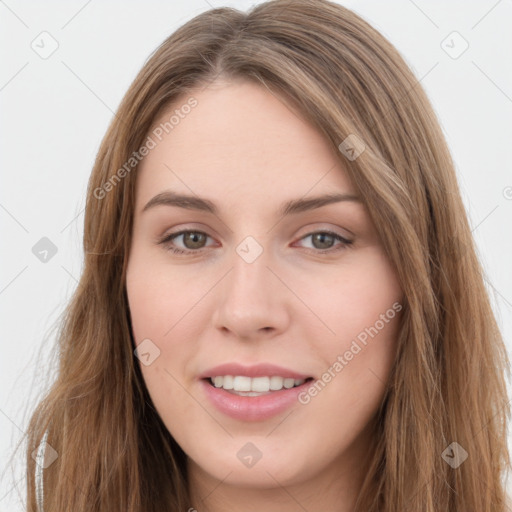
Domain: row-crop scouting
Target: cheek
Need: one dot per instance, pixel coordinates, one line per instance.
(348, 394)
(354, 300)
(361, 306)
(161, 302)
(158, 296)
(158, 310)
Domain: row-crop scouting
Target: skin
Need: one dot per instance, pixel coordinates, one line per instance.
(246, 150)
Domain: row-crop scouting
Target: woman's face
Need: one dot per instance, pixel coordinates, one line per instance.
(242, 272)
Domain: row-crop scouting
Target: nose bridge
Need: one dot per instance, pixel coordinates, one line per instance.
(249, 277)
(249, 299)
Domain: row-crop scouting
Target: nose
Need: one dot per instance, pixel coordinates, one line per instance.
(252, 302)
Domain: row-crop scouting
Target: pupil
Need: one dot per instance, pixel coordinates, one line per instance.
(321, 237)
(195, 238)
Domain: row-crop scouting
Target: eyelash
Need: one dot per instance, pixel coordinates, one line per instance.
(168, 238)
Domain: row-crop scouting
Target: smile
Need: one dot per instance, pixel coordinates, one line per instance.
(252, 392)
(246, 386)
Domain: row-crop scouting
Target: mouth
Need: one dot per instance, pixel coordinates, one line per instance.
(242, 385)
(253, 399)
(255, 392)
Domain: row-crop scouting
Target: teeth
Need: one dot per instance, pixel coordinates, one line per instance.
(289, 383)
(276, 383)
(240, 383)
(227, 382)
(256, 384)
(260, 384)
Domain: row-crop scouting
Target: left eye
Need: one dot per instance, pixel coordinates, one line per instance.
(194, 241)
(326, 241)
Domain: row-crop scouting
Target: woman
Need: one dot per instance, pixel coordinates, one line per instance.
(281, 307)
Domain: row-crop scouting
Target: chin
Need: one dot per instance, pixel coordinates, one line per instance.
(278, 469)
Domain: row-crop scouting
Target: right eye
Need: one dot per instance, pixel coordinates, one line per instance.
(193, 241)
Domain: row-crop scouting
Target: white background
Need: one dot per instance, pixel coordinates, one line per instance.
(55, 111)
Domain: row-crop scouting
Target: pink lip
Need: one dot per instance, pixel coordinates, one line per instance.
(258, 370)
(252, 408)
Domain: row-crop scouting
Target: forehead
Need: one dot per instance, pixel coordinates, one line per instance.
(239, 139)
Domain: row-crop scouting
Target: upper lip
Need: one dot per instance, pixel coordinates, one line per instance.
(257, 370)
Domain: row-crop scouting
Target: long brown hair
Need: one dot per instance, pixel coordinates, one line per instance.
(448, 382)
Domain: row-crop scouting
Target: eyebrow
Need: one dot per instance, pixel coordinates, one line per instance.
(190, 202)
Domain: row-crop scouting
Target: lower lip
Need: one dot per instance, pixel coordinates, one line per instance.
(252, 408)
